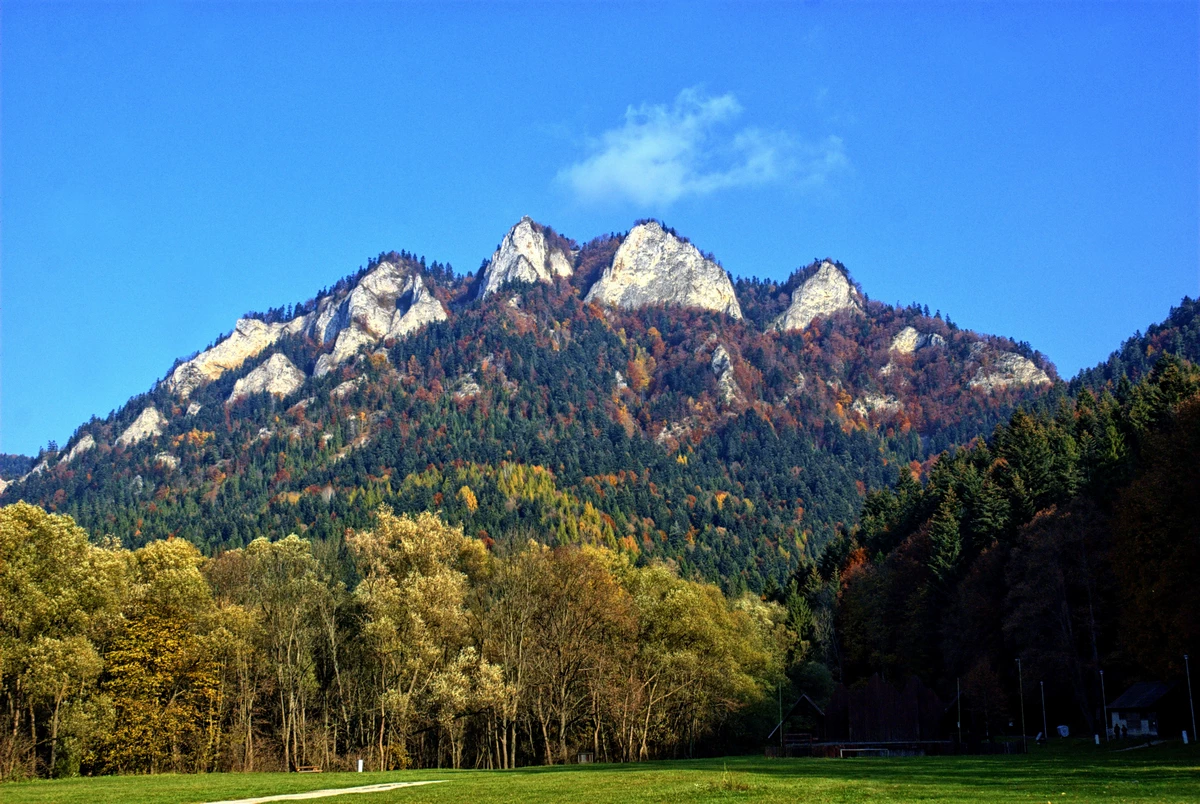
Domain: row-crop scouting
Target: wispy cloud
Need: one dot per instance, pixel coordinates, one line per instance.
(662, 153)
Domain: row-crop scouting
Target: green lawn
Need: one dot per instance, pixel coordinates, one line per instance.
(1064, 772)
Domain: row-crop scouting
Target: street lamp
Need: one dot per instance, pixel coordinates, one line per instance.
(1021, 685)
(1104, 700)
(1188, 669)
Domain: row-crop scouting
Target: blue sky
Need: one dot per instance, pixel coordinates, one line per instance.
(1029, 169)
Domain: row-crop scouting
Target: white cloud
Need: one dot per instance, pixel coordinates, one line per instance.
(662, 153)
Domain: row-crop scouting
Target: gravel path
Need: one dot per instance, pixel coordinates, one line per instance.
(333, 791)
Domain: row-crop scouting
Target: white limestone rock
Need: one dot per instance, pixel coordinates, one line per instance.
(1005, 369)
(389, 302)
(910, 340)
(149, 424)
(167, 460)
(654, 267)
(81, 446)
(826, 292)
(524, 256)
(347, 387)
(277, 375)
(870, 403)
(722, 366)
(194, 408)
(250, 337)
(4, 484)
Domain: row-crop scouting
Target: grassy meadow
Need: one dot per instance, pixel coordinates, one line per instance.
(1071, 771)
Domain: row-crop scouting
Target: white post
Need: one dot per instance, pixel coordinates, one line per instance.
(360, 764)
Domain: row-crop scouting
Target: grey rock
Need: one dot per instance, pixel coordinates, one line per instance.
(277, 375)
(826, 292)
(524, 256)
(149, 424)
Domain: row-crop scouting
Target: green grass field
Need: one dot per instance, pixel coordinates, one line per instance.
(1063, 772)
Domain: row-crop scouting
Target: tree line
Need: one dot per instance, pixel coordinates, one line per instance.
(429, 650)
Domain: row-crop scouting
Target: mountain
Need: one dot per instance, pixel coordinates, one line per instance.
(627, 391)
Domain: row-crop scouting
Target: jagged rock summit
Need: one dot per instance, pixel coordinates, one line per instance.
(524, 255)
(389, 302)
(277, 375)
(826, 292)
(653, 266)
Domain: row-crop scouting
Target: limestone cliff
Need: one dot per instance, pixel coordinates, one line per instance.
(524, 256)
(250, 337)
(1005, 369)
(81, 446)
(826, 292)
(149, 424)
(722, 366)
(277, 375)
(652, 266)
(389, 302)
(910, 339)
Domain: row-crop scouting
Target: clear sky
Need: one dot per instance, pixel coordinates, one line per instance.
(1029, 169)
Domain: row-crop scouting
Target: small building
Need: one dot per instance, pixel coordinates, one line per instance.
(1136, 711)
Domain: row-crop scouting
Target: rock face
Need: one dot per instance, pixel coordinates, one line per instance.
(722, 366)
(149, 424)
(654, 267)
(1008, 368)
(824, 293)
(167, 459)
(870, 403)
(910, 339)
(276, 376)
(248, 339)
(81, 446)
(524, 256)
(389, 302)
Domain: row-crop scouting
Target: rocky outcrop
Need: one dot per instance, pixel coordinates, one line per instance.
(250, 337)
(149, 424)
(4, 484)
(524, 256)
(389, 302)
(826, 292)
(1005, 369)
(166, 460)
(654, 267)
(722, 366)
(910, 339)
(870, 403)
(194, 408)
(81, 446)
(278, 376)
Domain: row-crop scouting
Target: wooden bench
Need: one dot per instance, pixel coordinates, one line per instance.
(865, 752)
(307, 769)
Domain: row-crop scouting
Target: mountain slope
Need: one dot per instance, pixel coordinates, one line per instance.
(528, 400)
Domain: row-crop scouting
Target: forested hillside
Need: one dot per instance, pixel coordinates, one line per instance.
(1069, 538)
(722, 443)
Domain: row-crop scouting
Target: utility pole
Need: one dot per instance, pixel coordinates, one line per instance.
(779, 687)
(1188, 669)
(1021, 684)
(1104, 697)
(1045, 728)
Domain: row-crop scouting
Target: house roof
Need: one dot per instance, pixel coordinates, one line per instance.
(1142, 695)
(803, 700)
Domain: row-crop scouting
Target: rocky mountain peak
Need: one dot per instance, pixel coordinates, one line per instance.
(826, 292)
(524, 256)
(1002, 369)
(389, 302)
(250, 337)
(653, 266)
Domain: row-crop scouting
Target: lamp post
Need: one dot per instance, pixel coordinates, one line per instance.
(1104, 700)
(1045, 728)
(1021, 685)
(1188, 669)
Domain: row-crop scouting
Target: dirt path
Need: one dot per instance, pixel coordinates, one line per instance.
(333, 791)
